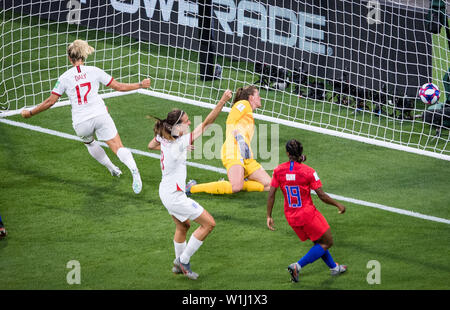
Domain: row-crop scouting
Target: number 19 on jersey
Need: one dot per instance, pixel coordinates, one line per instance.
(293, 195)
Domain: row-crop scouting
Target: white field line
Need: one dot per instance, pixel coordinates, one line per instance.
(223, 171)
(271, 119)
(330, 132)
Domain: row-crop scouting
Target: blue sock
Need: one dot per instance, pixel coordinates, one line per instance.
(313, 254)
(328, 259)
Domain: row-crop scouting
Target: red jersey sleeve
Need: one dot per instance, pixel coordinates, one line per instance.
(315, 180)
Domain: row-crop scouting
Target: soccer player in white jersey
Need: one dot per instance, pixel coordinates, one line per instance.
(89, 113)
(174, 141)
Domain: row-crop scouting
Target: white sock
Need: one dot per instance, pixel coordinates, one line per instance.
(192, 246)
(126, 157)
(179, 248)
(99, 154)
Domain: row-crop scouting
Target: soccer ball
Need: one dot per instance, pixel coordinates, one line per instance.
(429, 93)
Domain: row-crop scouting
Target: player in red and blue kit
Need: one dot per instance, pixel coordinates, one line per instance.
(296, 181)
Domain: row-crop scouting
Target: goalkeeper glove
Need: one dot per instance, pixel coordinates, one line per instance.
(243, 146)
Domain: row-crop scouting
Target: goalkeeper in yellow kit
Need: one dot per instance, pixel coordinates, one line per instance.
(244, 172)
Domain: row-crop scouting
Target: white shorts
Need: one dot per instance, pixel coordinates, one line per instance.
(103, 126)
(180, 206)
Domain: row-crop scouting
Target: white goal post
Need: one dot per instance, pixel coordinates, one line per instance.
(351, 69)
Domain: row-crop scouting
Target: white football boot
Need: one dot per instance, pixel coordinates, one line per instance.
(338, 269)
(115, 172)
(137, 182)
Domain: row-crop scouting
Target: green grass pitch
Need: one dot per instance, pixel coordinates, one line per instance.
(30, 70)
(59, 204)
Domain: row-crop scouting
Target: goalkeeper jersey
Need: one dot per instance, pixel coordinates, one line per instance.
(241, 119)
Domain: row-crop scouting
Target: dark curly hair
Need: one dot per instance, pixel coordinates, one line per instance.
(295, 150)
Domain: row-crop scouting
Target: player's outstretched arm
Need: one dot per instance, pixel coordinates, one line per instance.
(328, 200)
(270, 202)
(129, 86)
(44, 105)
(212, 115)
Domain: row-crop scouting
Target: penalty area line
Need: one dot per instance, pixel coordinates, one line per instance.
(223, 171)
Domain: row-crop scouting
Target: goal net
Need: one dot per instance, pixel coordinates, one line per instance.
(347, 68)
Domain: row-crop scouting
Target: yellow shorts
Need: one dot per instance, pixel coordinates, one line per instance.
(249, 165)
(231, 156)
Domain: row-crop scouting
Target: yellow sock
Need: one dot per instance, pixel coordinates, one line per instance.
(219, 187)
(253, 186)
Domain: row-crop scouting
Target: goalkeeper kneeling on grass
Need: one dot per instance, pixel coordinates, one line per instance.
(243, 171)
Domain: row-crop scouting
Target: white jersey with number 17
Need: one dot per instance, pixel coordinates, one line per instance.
(81, 84)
